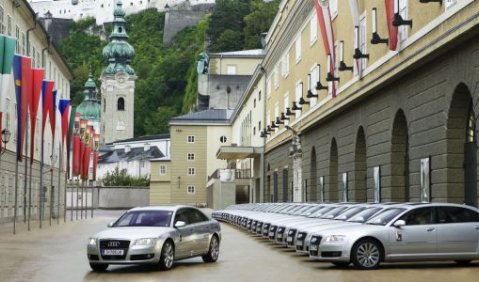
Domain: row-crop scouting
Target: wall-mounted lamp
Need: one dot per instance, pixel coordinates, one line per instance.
(302, 101)
(5, 139)
(279, 121)
(429, 1)
(319, 86)
(295, 107)
(376, 39)
(289, 112)
(264, 133)
(273, 125)
(269, 129)
(357, 52)
(329, 76)
(284, 117)
(342, 64)
(398, 20)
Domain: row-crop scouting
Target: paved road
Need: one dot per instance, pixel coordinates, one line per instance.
(57, 253)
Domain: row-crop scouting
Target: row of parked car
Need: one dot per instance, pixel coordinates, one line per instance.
(364, 234)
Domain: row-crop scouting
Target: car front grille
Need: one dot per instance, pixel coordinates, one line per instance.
(314, 245)
(114, 245)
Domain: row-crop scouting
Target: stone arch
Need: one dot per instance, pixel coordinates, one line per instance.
(399, 184)
(359, 191)
(312, 194)
(332, 191)
(461, 148)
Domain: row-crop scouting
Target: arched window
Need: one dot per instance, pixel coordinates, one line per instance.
(120, 104)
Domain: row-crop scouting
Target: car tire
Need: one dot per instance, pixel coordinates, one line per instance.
(99, 267)
(366, 254)
(463, 262)
(167, 256)
(213, 250)
(341, 263)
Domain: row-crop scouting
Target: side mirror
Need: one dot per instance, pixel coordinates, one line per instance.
(110, 224)
(179, 224)
(399, 223)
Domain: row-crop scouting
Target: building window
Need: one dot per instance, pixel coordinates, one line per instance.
(298, 49)
(191, 171)
(162, 170)
(286, 105)
(254, 131)
(259, 96)
(254, 103)
(191, 156)
(362, 41)
(17, 36)
(403, 11)
(190, 189)
(223, 139)
(2, 25)
(9, 26)
(231, 69)
(312, 85)
(333, 5)
(191, 139)
(285, 65)
(104, 105)
(313, 28)
(120, 104)
(259, 125)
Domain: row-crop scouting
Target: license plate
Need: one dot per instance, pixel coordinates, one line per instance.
(289, 239)
(313, 247)
(112, 252)
(271, 233)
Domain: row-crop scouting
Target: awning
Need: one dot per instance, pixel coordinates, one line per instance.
(238, 152)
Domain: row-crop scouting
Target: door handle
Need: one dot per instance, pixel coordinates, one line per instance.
(430, 229)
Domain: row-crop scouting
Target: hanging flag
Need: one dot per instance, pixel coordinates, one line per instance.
(392, 30)
(53, 113)
(353, 5)
(70, 137)
(87, 153)
(47, 103)
(7, 50)
(326, 26)
(96, 154)
(83, 137)
(64, 108)
(22, 72)
(33, 106)
(76, 145)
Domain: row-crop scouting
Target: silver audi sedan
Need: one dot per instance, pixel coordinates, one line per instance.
(155, 235)
(413, 232)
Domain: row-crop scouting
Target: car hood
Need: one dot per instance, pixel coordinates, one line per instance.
(133, 232)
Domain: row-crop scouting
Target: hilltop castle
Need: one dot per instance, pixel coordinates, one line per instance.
(102, 10)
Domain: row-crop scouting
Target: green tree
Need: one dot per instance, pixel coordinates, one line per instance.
(258, 21)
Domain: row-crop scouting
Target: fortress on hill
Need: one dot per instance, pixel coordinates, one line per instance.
(102, 10)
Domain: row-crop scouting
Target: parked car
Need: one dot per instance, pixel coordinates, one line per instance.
(155, 235)
(413, 232)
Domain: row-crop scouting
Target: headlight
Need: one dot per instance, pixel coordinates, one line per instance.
(334, 238)
(144, 242)
(92, 242)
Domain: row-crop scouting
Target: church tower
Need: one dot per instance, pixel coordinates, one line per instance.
(117, 83)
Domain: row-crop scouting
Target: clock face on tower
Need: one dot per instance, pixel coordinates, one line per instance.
(121, 77)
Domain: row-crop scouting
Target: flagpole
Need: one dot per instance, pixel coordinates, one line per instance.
(16, 195)
(40, 194)
(59, 179)
(30, 194)
(25, 182)
(51, 182)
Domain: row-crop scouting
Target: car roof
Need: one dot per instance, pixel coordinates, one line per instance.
(161, 208)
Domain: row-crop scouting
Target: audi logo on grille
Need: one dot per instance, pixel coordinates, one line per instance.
(113, 244)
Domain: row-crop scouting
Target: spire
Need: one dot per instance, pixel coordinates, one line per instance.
(118, 52)
(90, 109)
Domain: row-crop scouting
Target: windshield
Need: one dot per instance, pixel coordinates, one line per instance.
(364, 215)
(385, 216)
(349, 213)
(322, 211)
(333, 213)
(145, 218)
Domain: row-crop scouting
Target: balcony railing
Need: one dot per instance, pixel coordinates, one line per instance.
(239, 174)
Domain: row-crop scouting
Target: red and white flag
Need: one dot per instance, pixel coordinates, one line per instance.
(326, 26)
(392, 30)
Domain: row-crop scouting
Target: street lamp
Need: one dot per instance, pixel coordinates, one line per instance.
(5, 139)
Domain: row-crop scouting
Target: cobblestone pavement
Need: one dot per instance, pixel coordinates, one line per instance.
(57, 253)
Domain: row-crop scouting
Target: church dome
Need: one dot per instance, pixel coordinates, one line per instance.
(90, 109)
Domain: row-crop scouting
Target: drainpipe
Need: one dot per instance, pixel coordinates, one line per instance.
(262, 165)
(28, 33)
